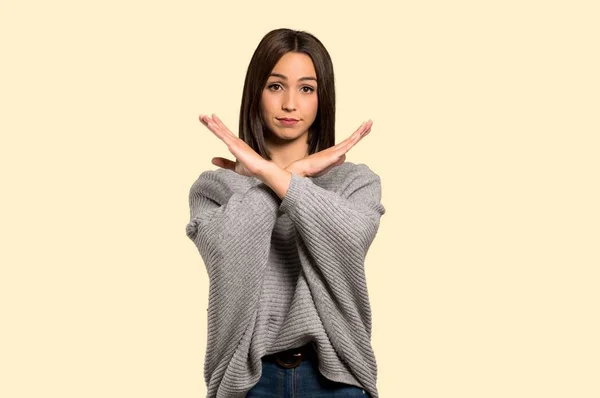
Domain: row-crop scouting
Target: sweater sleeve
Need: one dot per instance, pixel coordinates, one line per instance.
(232, 231)
(222, 220)
(336, 231)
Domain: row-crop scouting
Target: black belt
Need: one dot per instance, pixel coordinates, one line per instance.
(293, 357)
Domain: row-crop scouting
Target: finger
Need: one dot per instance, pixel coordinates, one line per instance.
(349, 143)
(224, 163)
(362, 132)
(215, 123)
(368, 128)
(222, 133)
(205, 119)
(357, 134)
(355, 137)
(201, 118)
(220, 123)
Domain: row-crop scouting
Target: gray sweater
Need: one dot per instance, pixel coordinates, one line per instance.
(288, 272)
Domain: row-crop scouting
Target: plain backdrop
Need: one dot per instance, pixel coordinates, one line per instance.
(483, 277)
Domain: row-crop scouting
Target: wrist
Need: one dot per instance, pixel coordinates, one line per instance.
(296, 170)
(276, 178)
(267, 171)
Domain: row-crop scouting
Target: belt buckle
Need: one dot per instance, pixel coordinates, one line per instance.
(289, 365)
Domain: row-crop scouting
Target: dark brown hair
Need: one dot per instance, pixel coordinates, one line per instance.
(272, 47)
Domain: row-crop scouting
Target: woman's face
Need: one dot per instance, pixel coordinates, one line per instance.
(290, 92)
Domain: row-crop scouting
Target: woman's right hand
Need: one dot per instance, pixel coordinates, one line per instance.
(248, 162)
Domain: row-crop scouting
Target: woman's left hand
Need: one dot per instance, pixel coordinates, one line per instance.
(321, 162)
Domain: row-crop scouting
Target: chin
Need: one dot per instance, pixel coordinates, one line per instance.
(283, 134)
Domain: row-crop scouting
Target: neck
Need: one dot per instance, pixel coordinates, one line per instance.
(284, 153)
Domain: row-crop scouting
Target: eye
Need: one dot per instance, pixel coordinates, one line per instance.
(273, 85)
(310, 89)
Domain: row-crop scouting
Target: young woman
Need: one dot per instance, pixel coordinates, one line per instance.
(283, 231)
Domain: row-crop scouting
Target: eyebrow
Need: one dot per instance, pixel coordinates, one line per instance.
(285, 77)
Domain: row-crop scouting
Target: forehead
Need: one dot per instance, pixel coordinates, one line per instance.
(295, 65)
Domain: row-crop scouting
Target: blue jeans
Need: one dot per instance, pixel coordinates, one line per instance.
(303, 381)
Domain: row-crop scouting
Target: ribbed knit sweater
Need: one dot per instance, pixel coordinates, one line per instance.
(283, 273)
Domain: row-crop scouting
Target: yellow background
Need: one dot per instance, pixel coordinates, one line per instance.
(484, 275)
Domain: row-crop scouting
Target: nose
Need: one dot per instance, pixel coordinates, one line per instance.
(289, 103)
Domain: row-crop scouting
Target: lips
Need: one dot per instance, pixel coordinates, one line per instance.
(287, 121)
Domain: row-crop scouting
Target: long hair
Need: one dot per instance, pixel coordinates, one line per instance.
(321, 134)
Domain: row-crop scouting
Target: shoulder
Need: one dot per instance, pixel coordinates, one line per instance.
(220, 182)
(348, 172)
(348, 177)
(361, 170)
